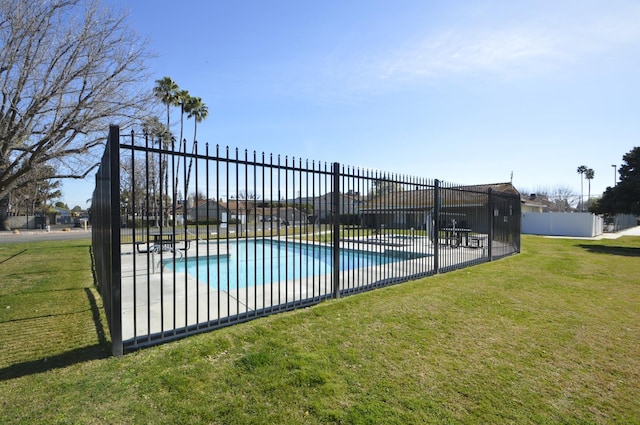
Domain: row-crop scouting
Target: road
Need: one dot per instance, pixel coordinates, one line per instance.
(41, 235)
(74, 234)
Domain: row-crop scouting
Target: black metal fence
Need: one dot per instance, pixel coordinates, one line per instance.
(188, 242)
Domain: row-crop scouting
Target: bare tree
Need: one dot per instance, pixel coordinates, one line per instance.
(133, 179)
(36, 191)
(248, 196)
(155, 133)
(384, 186)
(68, 68)
(557, 198)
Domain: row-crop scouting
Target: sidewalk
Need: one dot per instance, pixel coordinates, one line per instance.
(633, 231)
(35, 235)
(29, 232)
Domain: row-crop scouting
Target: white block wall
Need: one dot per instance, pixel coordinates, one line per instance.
(562, 224)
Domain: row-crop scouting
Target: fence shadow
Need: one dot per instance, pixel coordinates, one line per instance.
(79, 355)
(13, 256)
(624, 251)
(101, 350)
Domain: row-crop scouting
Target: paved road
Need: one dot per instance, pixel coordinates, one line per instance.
(40, 235)
(58, 235)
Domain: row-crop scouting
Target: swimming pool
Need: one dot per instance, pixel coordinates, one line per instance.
(264, 261)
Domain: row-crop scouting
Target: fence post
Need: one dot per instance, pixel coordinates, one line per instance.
(114, 189)
(491, 222)
(335, 202)
(518, 216)
(436, 226)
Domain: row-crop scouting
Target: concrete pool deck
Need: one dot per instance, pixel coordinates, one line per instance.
(157, 299)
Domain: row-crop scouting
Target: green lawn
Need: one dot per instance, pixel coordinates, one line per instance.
(551, 335)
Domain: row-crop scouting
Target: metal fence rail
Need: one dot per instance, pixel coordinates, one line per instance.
(191, 241)
(619, 222)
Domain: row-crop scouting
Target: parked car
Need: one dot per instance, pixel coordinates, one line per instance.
(80, 222)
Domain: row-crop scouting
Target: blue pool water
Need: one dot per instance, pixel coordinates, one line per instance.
(258, 262)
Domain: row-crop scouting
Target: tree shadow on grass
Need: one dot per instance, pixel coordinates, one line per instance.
(78, 355)
(624, 251)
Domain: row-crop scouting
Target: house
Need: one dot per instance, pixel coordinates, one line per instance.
(528, 204)
(459, 206)
(349, 207)
(208, 210)
(543, 203)
(240, 211)
(290, 215)
(61, 216)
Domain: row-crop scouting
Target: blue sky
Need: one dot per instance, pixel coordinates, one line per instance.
(464, 91)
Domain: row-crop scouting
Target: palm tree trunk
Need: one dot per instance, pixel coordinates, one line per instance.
(581, 193)
(195, 129)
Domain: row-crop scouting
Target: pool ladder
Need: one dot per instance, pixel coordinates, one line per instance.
(160, 248)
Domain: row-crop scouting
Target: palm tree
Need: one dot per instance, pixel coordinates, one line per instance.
(167, 91)
(581, 170)
(155, 130)
(182, 100)
(197, 110)
(589, 174)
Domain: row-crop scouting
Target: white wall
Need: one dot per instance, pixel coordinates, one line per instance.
(562, 224)
(20, 222)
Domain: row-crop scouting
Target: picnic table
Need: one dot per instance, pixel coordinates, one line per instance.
(454, 235)
(161, 242)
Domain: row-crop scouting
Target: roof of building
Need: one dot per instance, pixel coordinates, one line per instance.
(467, 195)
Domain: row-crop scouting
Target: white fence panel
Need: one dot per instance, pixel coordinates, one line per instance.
(562, 224)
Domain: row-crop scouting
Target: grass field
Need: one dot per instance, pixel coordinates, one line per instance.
(551, 335)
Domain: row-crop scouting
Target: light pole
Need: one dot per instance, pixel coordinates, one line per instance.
(126, 212)
(26, 198)
(615, 171)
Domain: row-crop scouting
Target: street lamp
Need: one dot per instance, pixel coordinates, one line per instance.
(615, 171)
(126, 212)
(26, 198)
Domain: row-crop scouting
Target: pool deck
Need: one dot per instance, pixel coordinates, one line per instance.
(156, 298)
